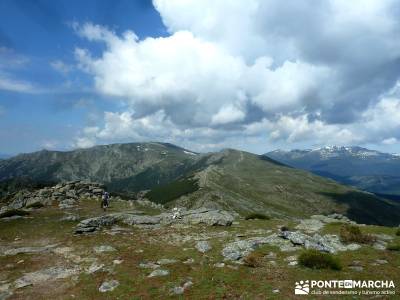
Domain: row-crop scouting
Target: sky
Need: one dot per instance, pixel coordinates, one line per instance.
(255, 75)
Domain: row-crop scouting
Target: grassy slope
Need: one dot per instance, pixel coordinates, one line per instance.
(123, 167)
(209, 282)
(247, 182)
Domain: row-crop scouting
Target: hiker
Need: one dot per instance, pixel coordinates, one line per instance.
(176, 213)
(105, 201)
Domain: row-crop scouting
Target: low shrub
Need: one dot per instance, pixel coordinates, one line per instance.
(13, 212)
(353, 234)
(393, 246)
(253, 260)
(257, 216)
(35, 205)
(398, 231)
(285, 228)
(315, 259)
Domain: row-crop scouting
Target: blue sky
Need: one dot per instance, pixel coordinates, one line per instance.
(254, 75)
(35, 34)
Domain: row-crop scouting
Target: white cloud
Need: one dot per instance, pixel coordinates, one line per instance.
(390, 141)
(13, 85)
(262, 70)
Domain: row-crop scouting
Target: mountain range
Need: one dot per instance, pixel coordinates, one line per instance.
(365, 169)
(230, 179)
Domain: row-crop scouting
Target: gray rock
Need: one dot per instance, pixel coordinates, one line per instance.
(158, 272)
(327, 243)
(131, 219)
(104, 248)
(381, 261)
(72, 218)
(108, 286)
(177, 290)
(207, 216)
(166, 261)
(356, 268)
(94, 267)
(238, 249)
(29, 250)
(45, 275)
(149, 265)
(36, 202)
(189, 261)
(92, 224)
(203, 246)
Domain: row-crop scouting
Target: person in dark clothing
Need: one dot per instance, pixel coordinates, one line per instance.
(105, 200)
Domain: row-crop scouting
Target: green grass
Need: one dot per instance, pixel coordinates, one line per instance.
(315, 259)
(398, 232)
(393, 246)
(257, 216)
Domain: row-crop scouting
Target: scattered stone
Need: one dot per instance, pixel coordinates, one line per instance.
(275, 291)
(158, 272)
(203, 246)
(149, 265)
(93, 224)
(187, 284)
(293, 263)
(291, 258)
(94, 268)
(356, 268)
(108, 286)
(381, 261)
(219, 265)
(103, 248)
(333, 218)
(45, 275)
(379, 245)
(271, 255)
(28, 250)
(327, 243)
(207, 216)
(177, 290)
(117, 261)
(69, 217)
(166, 261)
(189, 261)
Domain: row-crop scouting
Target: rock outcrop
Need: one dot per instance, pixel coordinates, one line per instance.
(327, 243)
(198, 216)
(65, 194)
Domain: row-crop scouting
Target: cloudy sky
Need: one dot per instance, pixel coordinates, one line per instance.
(250, 74)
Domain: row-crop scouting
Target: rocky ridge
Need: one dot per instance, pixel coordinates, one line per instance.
(66, 194)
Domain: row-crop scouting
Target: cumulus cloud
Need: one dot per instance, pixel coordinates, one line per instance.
(308, 72)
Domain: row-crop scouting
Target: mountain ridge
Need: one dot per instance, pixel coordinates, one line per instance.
(363, 168)
(230, 179)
